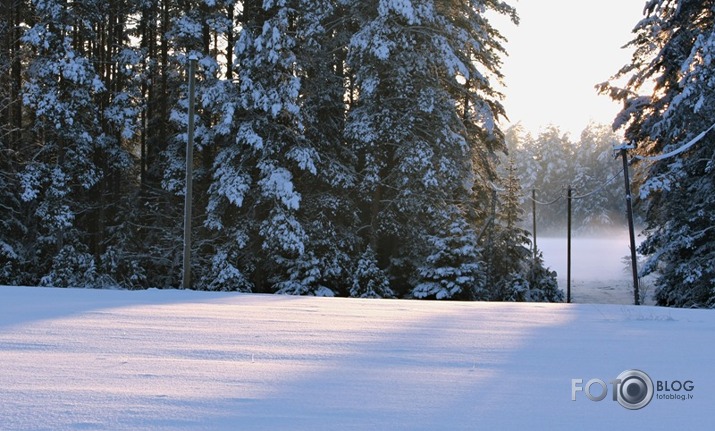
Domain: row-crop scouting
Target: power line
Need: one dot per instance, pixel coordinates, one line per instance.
(599, 188)
(585, 195)
(544, 203)
(677, 151)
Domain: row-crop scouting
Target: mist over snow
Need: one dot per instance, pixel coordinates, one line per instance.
(600, 267)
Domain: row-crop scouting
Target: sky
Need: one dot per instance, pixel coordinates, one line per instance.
(558, 53)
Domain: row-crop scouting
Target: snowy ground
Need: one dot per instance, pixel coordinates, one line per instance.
(77, 359)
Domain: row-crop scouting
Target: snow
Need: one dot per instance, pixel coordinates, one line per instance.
(277, 182)
(402, 8)
(184, 360)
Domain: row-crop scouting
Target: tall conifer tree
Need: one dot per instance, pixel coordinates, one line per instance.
(424, 126)
(674, 50)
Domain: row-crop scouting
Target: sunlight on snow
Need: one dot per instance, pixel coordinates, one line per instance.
(269, 351)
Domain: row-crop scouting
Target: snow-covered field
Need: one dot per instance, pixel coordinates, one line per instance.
(76, 359)
(598, 272)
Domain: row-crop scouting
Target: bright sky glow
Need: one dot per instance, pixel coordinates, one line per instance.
(558, 53)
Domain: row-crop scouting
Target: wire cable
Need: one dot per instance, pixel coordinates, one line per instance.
(599, 188)
(558, 198)
(677, 151)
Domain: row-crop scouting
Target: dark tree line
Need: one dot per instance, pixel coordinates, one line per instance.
(342, 148)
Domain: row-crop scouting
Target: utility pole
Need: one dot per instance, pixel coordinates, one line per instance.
(629, 211)
(186, 277)
(533, 218)
(568, 249)
(533, 222)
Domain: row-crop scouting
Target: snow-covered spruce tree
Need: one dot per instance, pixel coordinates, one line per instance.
(119, 63)
(84, 96)
(507, 251)
(423, 123)
(368, 280)
(141, 243)
(522, 150)
(253, 199)
(454, 269)
(62, 89)
(674, 49)
(328, 213)
(514, 273)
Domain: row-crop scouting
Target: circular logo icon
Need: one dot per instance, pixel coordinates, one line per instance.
(635, 390)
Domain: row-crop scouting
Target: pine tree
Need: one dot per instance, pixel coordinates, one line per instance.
(674, 46)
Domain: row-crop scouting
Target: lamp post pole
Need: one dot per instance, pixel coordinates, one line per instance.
(186, 277)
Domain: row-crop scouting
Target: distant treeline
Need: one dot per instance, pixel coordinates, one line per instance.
(552, 161)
